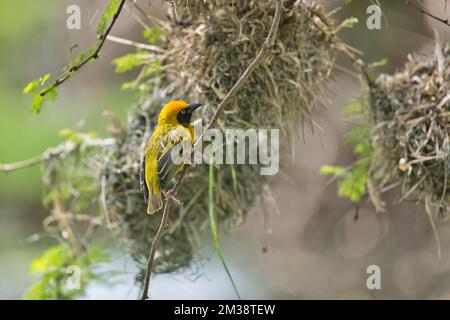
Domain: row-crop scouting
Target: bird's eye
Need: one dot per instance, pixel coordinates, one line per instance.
(183, 111)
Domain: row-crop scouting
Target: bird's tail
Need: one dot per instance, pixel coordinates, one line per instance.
(154, 203)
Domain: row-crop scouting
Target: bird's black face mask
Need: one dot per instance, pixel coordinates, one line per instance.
(184, 116)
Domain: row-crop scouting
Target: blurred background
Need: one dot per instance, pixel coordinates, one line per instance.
(315, 247)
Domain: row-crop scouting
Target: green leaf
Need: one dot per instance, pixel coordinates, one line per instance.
(129, 62)
(36, 104)
(380, 63)
(360, 138)
(153, 34)
(357, 135)
(349, 22)
(39, 99)
(364, 149)
(128, 85)
(72, 48)
(353, 108)
(152, 67)
(352, 181)
(332, 170)
(52, 267)
(107, 15)
(35, 84)
(70, 135)
(353, 186)
(81, 57)
(52, 259)
(52, 94)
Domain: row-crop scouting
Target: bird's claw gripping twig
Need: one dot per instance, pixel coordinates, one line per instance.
(171, 195)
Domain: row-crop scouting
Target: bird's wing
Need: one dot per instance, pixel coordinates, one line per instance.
(144, 186)
(176, 142)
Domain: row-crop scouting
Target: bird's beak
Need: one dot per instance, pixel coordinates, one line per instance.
(193, 106)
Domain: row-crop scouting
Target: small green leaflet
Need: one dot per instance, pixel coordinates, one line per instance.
(107, 15)
(352, 180)
(129, 61)
(35, 84)
(153, 34)
(39, 99)
(36, 87)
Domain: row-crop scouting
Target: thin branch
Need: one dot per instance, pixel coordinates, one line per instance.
(265, 49)
(163, 225)
(153, 248)
(62, 150)
(127, 42)
(65, 148)
(421, 8)
(103, 201)
(90, 57)
(64, 224)
(7, 167)
(151, 18)
(343, 48)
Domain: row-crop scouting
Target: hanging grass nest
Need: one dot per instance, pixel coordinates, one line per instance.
(206, 47)
(410, 114)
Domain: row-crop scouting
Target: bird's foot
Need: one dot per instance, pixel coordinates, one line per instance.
(190, 164)
(170, 195)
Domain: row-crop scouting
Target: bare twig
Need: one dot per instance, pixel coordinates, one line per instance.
(138, 45)
(152, 19)
(64, 224)
(343, 48)
(90, 57)
(7, 167)
(62, 150)
(265, 49)
(46, 223)
(103, 201)
(421, 8)
(153, 248)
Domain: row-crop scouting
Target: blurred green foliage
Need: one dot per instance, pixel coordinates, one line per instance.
(153, 34)
(24, 36)
(50, 92)
(141, 59)
(352, 181)
(64, 276)
(107, 15)
(130, 61)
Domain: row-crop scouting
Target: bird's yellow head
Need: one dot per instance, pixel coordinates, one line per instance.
(177, 111)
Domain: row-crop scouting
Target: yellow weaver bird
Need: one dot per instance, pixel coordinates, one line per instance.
(158, 167)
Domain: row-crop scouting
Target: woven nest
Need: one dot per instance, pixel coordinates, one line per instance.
(410, 114)
(207, 46)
